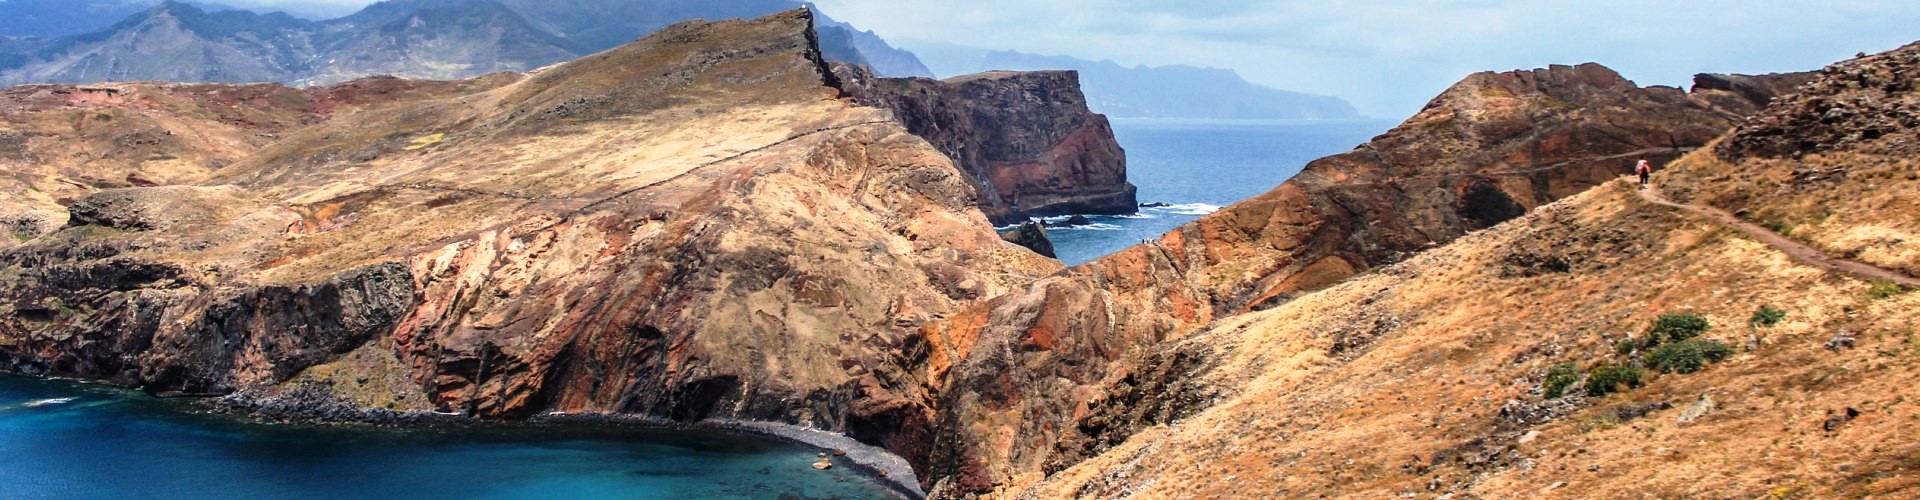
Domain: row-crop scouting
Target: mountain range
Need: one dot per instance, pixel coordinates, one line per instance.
(1176, 91)
(435, 39)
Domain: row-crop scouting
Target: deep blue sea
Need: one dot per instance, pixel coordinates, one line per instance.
(66, 440)
(1198, 167)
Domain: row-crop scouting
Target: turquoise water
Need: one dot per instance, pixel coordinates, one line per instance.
(1200, 166)
(65, 440)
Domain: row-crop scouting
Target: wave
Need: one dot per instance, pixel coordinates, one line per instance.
(1089, 227)
(48, 402)
(1188, 209)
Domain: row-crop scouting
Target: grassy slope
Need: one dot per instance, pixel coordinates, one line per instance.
(1396, 381)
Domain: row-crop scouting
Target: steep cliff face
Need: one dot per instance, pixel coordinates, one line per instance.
(1023, 378)
(692, 226)
(1028, 139)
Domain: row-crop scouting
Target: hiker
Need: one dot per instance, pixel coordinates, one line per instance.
(1645, 170)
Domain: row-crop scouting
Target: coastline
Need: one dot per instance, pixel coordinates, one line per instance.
(304, 406)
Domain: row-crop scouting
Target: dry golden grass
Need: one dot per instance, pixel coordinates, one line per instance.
(1857, 203)
(1439, 344)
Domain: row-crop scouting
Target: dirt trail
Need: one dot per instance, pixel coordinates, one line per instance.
(1798, 251)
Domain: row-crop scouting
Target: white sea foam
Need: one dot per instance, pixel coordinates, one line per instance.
(48, 402)
(1097, 226)
(1188, 209)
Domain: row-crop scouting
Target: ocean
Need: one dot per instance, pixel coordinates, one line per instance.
(66, 440)
(1197, 166)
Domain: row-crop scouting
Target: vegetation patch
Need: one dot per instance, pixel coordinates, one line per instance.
(1766, 317)
(1609, 379)
(1885, 290)
(1676, 327)
(1688, 356)
(1559, 378)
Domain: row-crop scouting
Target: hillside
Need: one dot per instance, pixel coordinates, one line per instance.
(1834, 166)
(692, 226)
(431, 39)
(60, 143)
(1488, 150)
(1519, 360)
(1426, 378)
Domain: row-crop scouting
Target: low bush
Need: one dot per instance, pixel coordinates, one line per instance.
(1676, 327)
(1688, 357)
(1609, 379)
(1559, 378)
(1766, 317)
(1884, 290)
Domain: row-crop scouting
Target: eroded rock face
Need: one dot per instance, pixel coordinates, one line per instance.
(1027, 138)
(1028, 379)
(1844, 107)
(696, 225)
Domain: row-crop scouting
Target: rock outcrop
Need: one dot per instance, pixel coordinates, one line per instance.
(1831, 165)
(693, 226)
(1027, 139)
(1021, 380)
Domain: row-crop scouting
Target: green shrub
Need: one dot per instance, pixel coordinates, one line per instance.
(1767, 316)
(1559, 378)
(1688, 357)
(1669, 328)
(1884, 290)
(1607, 379)
(1625, 347)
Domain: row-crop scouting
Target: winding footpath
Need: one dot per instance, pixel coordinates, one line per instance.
(1800, 252)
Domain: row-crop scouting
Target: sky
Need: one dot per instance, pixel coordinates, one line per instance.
(1389, 58)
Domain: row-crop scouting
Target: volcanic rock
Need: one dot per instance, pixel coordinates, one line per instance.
(692, 226)
(1027, 138)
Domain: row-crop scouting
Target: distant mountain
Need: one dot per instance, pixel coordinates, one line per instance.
(57, 18)
(436, 39)
(1150, 92)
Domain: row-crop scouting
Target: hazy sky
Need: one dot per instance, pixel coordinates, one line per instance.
(1388, 58)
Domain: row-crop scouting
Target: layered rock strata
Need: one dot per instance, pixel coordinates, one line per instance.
(693, 226)
(1027, 139)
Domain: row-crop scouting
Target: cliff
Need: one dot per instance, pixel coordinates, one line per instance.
(692, 226)
(1033, 382)
(1027, 139)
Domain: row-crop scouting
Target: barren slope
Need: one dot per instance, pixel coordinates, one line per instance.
(1833, 166)
(1022, 369)
(692, 226)
(1426, 376)
(59, 143)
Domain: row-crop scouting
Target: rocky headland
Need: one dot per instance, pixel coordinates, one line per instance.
(695, 226)
(1027, 138)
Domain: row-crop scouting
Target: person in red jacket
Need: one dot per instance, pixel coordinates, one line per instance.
(1645, 170)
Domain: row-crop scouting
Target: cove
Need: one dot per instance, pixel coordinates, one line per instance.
(67, 440)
